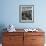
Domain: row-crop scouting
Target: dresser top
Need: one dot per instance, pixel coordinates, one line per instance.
(22, 30)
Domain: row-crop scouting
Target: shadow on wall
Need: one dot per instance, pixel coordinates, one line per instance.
(2, 26)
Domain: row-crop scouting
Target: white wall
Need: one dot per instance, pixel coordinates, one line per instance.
(10, 13)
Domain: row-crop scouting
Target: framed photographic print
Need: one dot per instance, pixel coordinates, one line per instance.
(26, 13)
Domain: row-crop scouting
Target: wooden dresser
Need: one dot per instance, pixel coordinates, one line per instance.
(23, 38)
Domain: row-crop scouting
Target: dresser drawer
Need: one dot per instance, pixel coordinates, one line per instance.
(34, 33)
(12, 39)
(13, 33)
(37, 39)
(13, 44)
(37, 44)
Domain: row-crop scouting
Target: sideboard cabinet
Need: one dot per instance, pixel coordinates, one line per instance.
(23, 39)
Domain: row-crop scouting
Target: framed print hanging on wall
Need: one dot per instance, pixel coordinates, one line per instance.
(26, 13)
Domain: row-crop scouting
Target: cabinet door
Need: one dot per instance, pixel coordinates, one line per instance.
(27, 40)
(13, 40)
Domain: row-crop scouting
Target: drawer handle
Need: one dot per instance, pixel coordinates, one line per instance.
(11, 38)
(33, 39)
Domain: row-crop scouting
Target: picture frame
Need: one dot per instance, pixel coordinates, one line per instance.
(26, 13)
